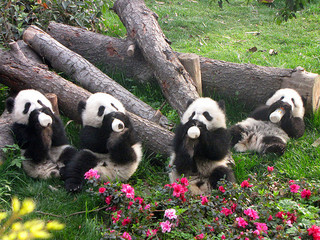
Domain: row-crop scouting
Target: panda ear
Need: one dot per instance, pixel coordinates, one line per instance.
(81, 106)
(304, 101)
(10, 104)
(222, 105)
(189, 102)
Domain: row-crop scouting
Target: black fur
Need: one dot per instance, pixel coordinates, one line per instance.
(100, 140)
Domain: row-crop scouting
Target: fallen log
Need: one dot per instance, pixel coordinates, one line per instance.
(5, 133)
(226, 78)
(143, 28)
(89, 76)
(19, 72)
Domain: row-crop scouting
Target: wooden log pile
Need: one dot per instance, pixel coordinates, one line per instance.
(145, 56)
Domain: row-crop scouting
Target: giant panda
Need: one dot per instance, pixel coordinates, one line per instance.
(40, 134)
(201, 147)
(107, 143)
(269, 127)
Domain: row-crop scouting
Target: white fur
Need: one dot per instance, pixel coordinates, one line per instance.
(112, 171)
(201, 105)
(288, 94)
(90, 114)
(255, 131)
(32, 96)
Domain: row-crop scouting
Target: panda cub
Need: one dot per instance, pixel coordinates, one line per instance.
(107, 143)
(39, 133)
(269, 127)
(201, 146)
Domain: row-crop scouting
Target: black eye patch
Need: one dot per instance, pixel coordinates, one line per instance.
(207, 116)
(26, 108)
(114, 106)
(192, 115)
(101, 111)
(282, 98)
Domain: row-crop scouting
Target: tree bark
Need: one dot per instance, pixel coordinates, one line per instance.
(19, 72)
(89, 76)
(143, 28)
(5, 133)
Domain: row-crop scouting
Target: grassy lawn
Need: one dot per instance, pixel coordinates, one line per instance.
(225, 34)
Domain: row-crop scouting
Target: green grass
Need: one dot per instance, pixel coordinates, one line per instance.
(202, 28)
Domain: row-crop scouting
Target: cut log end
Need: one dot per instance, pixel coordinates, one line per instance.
(316, 94)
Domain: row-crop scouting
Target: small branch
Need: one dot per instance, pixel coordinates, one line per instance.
(72, 214)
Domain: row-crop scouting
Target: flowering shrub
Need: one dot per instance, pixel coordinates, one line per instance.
(13, 229)
(269, 209)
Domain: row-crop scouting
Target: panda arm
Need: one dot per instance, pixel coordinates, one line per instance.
(93, 139)
(260, 113)
(119, 144)
(215, 144)
(34, 138)
(184, 149)
(59, 136)
(293, 126)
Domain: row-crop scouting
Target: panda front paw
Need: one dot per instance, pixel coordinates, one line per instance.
(73, 185)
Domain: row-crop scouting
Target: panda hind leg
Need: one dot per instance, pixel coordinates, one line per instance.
(273, 144)
(73, 173)
(219, 173)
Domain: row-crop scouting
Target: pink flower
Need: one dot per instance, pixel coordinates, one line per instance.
(226, 211)
(245, 184)
(270, 169)
(280, 215)
(102, 190)
(126, 221)
(204, 200)
(151, 232)
(165, 226)
(91, 174)
(270, 218)
(294, 188)
(147, 206)
(139, 199)
(251, 213)
(170, 213)
(241, 222)
(184, 181)
(223, 237)
(126, 236)
(126, 188)
(314, 231)
(200, 236)
(108, 200)
(261, 227)
(305, 193)
(221, 189)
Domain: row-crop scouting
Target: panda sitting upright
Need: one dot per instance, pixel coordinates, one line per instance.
(201, 147)
(39, 133)
(107, 143)
(269, 127)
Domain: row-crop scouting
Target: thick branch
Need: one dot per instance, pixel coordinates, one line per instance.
(23, 73)
(226, 78)
(81, 70)
(142, 26)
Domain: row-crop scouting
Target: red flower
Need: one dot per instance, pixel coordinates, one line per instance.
(280, 215)
(270, 218)
(226, 211)
(204, 200)
(270, 169)
(245, 184)
(305, 193)
(294, 188)
(126, 221)
(102, 190)
(221, 189)
(314, 231)
(108, 200)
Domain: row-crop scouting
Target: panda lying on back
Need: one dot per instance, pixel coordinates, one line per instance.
(270, 126)
(39, 133)
(201, 147)
(107, 141)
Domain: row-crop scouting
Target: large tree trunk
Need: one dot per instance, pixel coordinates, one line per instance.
(143, 28)
(89, 76)
(19, 72)
(250, 84)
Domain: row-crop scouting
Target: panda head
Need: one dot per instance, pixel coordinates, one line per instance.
(207, 111)
(96, 107)
(24, 103)
(291, 97)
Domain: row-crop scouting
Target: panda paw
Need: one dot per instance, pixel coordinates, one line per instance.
(73, 185)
